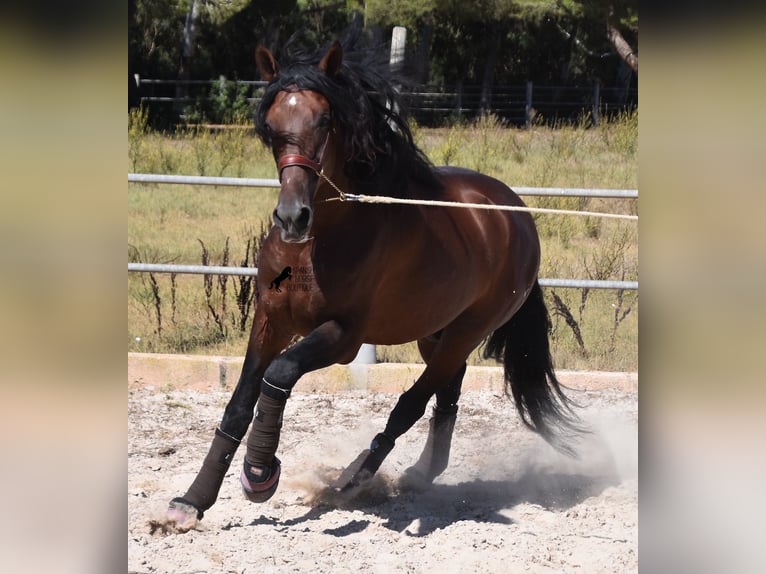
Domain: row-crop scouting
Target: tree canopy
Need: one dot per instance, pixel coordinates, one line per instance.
(556, 42)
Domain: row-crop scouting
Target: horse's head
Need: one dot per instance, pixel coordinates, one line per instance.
(298, 125)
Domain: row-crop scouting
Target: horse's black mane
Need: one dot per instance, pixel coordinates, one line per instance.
(381, 156)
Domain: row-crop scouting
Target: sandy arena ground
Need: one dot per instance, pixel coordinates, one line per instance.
(507, 503)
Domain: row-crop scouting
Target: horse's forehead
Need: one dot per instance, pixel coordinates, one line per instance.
(299, 101)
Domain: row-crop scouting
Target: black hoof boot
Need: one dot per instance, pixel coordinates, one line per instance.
(365, 465)
(260, 483)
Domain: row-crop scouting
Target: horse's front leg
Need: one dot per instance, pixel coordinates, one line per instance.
(265, 343)
(328, 344)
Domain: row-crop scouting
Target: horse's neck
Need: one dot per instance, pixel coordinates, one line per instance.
(347, 225)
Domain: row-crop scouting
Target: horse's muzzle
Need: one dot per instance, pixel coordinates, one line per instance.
(294, 222)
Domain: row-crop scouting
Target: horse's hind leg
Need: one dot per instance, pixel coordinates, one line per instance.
(448, 365)
(435, 456)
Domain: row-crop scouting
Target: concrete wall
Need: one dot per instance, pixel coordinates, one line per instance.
(205, 373)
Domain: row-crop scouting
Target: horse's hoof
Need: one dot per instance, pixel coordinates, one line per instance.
(414, 478)
(354, 475)
(262, 491)
(182, 515)
(364, 466)
(345, 483)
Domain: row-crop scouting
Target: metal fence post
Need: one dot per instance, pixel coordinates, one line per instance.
(596, 102)
(528, 107)
(367, 355)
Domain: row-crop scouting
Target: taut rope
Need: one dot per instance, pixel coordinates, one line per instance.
(361, 198)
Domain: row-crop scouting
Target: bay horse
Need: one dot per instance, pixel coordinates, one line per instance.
(447, 278)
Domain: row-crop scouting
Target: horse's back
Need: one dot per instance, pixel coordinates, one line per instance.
(469, 186)
(444, 263)
(508, 238)
(480, 241)
(462, 185)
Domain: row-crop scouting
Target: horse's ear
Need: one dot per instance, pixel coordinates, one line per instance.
(332, 60)
(266, 63)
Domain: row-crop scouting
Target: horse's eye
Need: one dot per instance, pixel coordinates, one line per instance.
(324, 121)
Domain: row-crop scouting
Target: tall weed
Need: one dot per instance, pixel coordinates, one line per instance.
(138, 127)
(487, 149)
(620, 133)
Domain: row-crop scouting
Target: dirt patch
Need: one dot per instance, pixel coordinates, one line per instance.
(507, 502)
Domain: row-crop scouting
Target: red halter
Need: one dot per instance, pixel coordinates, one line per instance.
(302, 161)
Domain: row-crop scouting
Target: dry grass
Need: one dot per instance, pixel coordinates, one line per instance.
(593, 330)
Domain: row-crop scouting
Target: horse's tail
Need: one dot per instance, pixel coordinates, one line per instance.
(521, 344)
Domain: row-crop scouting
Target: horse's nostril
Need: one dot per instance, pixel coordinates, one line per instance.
(302, 222)
(294, 221)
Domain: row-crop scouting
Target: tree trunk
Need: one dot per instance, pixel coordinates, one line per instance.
(423, 50)
(187, 52)
(620, 44)
(134, 97)
(489, 71)
(567, 65)
(571, 44)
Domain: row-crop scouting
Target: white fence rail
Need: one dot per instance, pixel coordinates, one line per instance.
(253, 271)
(255, 182)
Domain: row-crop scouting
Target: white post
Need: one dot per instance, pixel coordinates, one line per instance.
(366, 355)
(398, 43)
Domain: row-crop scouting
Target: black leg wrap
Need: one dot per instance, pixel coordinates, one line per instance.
(435, 457)
(273, 391)
(261, 469)
(204, 490)
(263, 440)
(366, 464)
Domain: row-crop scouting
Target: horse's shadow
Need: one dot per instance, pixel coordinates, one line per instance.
(439, 505)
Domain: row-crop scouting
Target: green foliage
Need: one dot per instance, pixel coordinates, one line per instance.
(625, 12)
(398, 12)
(546, 41)
(154, 36)
(225, 103)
